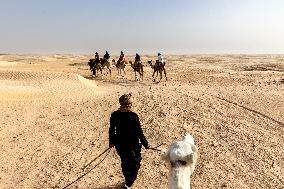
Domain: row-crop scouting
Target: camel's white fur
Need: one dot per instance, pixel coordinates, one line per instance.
(181, 157)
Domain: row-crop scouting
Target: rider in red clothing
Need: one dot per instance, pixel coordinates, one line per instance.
(121, 57)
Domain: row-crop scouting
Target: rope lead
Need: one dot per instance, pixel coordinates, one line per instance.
(107, 150)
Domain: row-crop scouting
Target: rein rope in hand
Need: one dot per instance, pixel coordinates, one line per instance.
(156, 148)
(107, 150)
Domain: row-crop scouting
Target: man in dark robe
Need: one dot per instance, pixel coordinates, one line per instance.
(126, 135)
(106, 56)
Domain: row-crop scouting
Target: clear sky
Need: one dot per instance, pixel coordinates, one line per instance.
(143, 26)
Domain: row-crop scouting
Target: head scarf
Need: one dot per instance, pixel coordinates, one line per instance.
(125, 102)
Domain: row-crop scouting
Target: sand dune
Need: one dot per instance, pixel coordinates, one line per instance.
(41, 86)
(55, 120)
(7, 63)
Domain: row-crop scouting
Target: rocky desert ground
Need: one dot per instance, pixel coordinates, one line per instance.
(55, 118)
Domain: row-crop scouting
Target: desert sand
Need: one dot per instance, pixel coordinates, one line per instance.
(55, 118)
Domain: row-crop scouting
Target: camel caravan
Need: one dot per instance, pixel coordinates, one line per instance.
(99, 65)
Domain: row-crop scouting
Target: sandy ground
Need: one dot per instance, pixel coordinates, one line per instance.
(55, 118)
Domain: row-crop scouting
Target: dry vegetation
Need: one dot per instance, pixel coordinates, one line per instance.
(55, 118)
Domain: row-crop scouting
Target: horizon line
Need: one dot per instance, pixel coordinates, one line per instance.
(145, 54)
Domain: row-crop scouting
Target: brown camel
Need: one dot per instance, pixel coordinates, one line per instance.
(105, 63)
(137, 67)
(120, 65)
(91, 63)
(95, 67)
(159, 68)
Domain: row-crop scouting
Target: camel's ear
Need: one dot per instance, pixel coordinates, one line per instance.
(194, 148)
(164, 155)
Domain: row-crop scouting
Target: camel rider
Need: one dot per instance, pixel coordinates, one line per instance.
(97, 58)
(121, 57)
(160, 58)
(137, 59)
(106, 56)
(126, 135)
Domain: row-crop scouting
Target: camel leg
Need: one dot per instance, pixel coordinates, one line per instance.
(109, 71)
(165, 74)
(94, 72)
(140, 75)
(153, 76)
(136, 76)
(119, 71)
(97, 72)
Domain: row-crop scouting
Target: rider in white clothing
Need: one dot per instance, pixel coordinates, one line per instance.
(160, 58)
